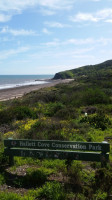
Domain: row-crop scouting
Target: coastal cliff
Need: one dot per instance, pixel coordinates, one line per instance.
(99, 70)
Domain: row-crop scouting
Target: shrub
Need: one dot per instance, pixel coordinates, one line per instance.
(52, 191)
(66, 113)
(2, 179)
(100, 195)
(75, 176)
(103, 179)
(36, 177)
(3, 158)
(98, 120)
(21, 112)
(56, 165)
(13, 196)
(94, 96)
(19, 161)
(16, 112)
(53, 108)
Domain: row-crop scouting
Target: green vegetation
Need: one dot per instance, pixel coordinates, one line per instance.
(58, 113)
(96, 72)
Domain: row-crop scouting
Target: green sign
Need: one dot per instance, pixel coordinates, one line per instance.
(53, 154)
(64, 145)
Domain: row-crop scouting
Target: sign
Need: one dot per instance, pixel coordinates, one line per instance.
(64, 145)
(53, 154)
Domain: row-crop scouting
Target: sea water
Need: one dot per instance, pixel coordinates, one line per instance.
(12, 81)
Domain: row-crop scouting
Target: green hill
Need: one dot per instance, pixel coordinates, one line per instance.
(58, 113)
(98, 71)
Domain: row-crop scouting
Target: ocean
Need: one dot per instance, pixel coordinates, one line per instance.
(12, 81)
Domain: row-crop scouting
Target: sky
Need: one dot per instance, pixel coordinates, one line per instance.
(49, 36)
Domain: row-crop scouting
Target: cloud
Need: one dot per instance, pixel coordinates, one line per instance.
(47, 12)
(55, 42)
(83, 17)
(21, 32)
(56, 25)
(104, 15)
(12, 52)
(80, 41)
(109, 20)
(4, 18)
(46, 31)
(91, 41)
(74, 41)
(19, 5)
(9, 8)
(57, 4)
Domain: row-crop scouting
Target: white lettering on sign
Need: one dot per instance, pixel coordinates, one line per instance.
(39, 154)
(79, 146)
(23, 154)
(95, 148)
(57, 146)
(56, 155)
(31, 153)
(69, 146)
(27, 144)
(40, 144)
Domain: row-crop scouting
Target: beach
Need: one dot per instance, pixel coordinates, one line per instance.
(13, 93)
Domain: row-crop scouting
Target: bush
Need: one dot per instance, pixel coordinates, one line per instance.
(100, 195)
(52, 191)
(103, 179)
(2, 179)
(94, 96)
(56, 165)
(75, 176)
(67, 113)
(17, 113)
(3, 158)
(98, 120)
(13, 196)
(22, 112)
(53, 108)
(36, 177)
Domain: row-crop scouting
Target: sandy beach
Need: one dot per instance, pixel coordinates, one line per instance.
(12, 93)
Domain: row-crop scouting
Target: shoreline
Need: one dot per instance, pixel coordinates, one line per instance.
(13, 93)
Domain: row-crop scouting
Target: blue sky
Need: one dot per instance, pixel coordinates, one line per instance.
(48, 36)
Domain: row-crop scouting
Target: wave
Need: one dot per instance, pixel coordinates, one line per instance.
(27, 83)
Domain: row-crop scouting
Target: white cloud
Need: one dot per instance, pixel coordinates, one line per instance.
(83, 17)
(55, 42)
(11, 52)
(47, 12)
(109, 20)
(57, 4)
(91, 41)
(9, 8)
(21, 32)
(74, 41)
(80, 41)
(18, 5)
(56, 25)
(46, 31)
(4, 18)
(60, 54)
(101, 15)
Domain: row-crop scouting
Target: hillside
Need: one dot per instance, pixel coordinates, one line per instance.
(98, 71)
(58, 113)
